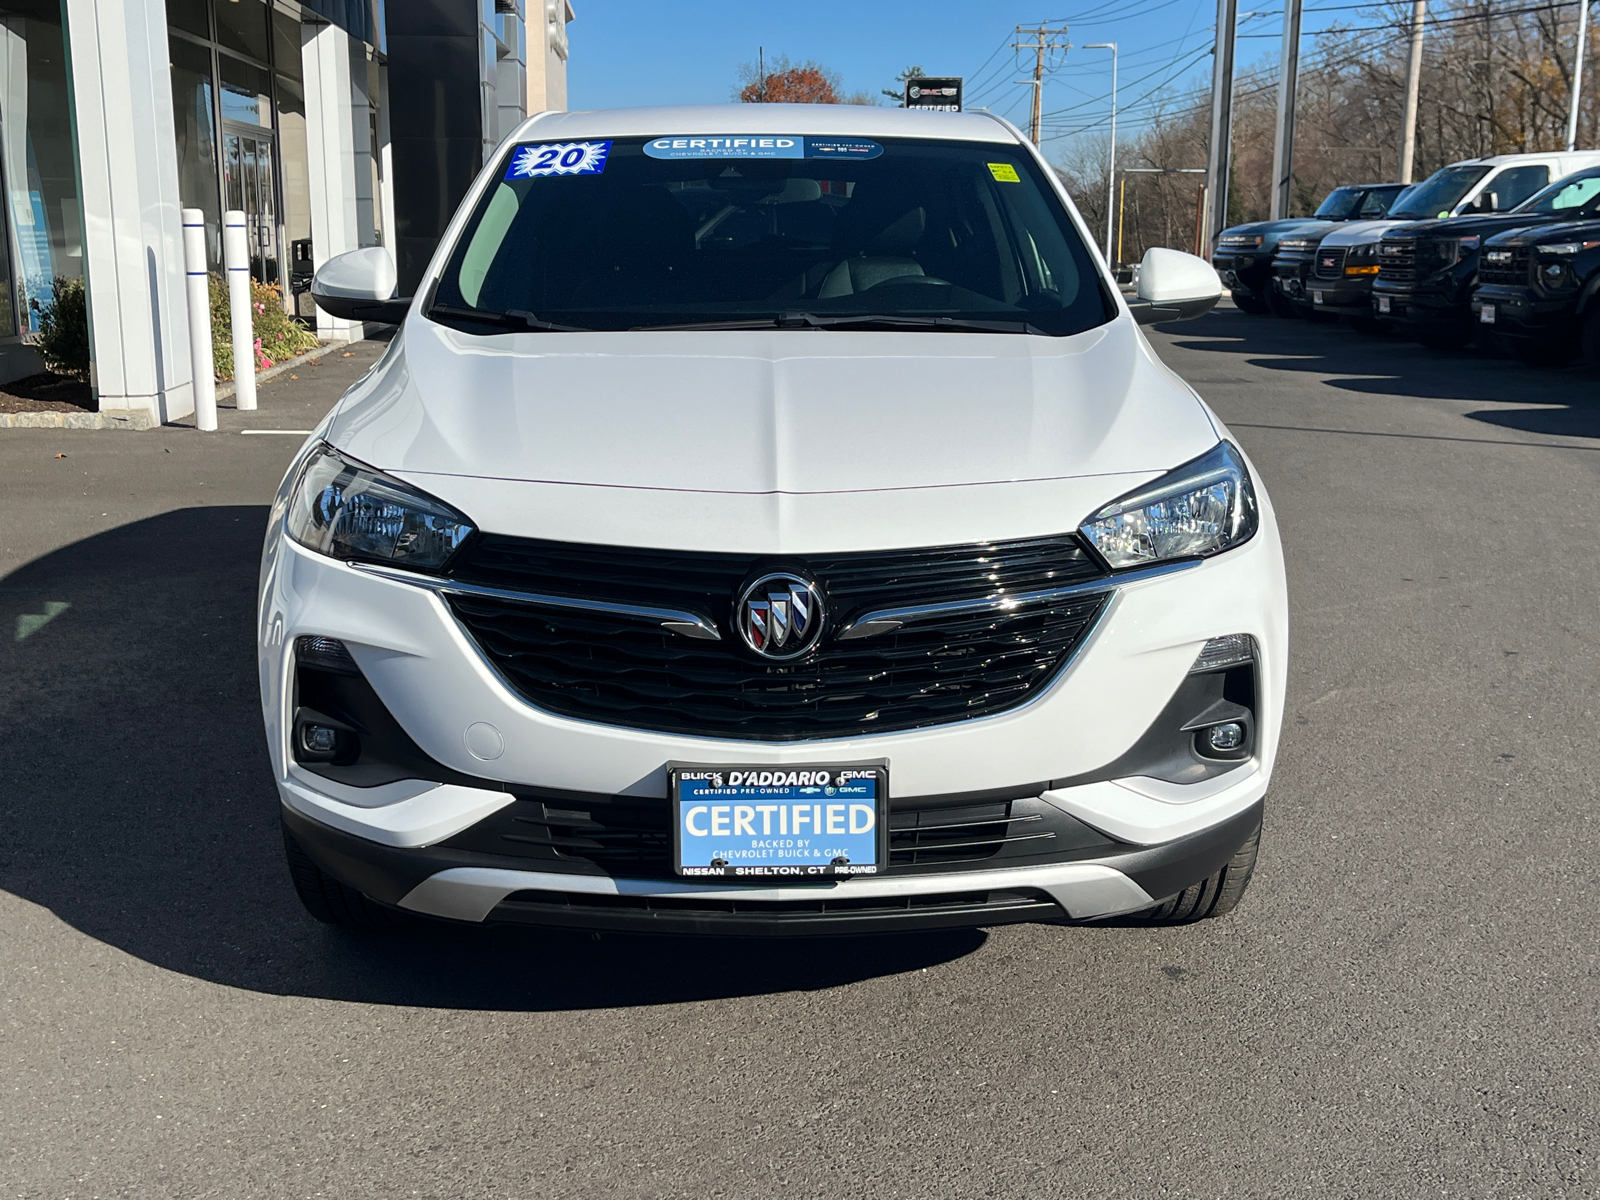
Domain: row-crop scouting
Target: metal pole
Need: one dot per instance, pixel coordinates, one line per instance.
(1577, 76)
(1122, 208)
(1288, 82)
(198, 285)
(1221, 120)
(236, 257)
(1408, 137)
(1111, 172)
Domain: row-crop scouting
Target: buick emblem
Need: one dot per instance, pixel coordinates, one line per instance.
(780, 616)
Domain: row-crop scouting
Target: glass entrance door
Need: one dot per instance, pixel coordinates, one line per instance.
(250, 185)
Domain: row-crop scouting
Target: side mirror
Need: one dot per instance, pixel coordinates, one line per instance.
(1174, 286)
(1488, 202)
(360, 286)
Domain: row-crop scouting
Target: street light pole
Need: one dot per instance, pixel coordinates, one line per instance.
(1577, 75)
(1111, 172)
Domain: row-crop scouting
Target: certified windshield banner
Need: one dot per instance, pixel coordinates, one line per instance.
(751, 145)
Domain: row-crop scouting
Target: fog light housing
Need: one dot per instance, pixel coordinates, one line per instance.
(1225, 738)
(319, 739)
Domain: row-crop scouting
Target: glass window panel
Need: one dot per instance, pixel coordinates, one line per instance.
(295, 165)
(246, 91)
(242, 26)
(191, 16)
(286, 45)
(194, 116)
(42, 233)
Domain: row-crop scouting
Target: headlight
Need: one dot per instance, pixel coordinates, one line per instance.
(347, 510)
(1367, 252)
(1567, 248)
(1238, 239)
(1203, 508)
(1298, 244)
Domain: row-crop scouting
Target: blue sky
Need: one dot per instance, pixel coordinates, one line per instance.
(627, 52)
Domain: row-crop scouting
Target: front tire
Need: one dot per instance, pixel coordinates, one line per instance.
(1214, 896)
(1589, 340)
(332, 902)
(1247, 302)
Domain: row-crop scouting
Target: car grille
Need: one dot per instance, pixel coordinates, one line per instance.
(1330, 263)
(632, 673)
(1513, 269)
(1397, 260)
(632, 836)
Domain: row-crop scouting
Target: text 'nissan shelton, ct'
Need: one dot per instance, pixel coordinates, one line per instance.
(770, 519)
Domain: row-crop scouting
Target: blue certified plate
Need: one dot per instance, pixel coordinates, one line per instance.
(789, 823)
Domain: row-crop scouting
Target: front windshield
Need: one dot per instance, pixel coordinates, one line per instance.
(1576, 195)
(677, 231)
(1438, 194)
(1340, 204)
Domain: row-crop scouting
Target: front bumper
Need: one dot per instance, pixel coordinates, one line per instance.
(1244, 272)
(1524, 312)
(454, 884)
(1127, 842)
(1420, 308)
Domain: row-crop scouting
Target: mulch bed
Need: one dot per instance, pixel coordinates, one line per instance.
(46, 392)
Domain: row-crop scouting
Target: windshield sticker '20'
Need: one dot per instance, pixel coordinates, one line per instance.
(563, 158)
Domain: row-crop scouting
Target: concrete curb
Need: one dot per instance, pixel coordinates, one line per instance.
(111, 418)
(142, 418)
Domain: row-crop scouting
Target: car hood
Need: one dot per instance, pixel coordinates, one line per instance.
(1270, 231)
(1358, 233)
(1475, 225)
(793, 411)
(1564, 231)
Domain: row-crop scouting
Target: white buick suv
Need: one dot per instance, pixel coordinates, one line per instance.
(770, 519)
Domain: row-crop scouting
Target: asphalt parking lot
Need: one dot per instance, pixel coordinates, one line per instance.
(1405, 1004)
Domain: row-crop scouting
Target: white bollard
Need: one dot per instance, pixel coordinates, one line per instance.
(236, 255)
(200, 358)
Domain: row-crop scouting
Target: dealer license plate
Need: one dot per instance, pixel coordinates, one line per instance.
(779, 823)
(1486, 314)
(1383, 304)
(1316, 298)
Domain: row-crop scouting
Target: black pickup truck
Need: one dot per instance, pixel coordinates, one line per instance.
(1539, 291)
(1427, 270)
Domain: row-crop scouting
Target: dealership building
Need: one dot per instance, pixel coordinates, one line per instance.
(332, 124)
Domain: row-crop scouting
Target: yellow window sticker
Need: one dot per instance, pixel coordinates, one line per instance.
(1004, 173)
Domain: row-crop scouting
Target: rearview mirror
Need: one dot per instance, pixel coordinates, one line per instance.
(360, 286)
(1174, 286)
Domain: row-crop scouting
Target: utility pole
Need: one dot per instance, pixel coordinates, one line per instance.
(1221, 120)
(1577, 76)
(1408, 137)
(1044, 40)
(1288, 82)
(1111, 169)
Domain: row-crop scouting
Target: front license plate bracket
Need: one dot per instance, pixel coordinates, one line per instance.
(779, 824)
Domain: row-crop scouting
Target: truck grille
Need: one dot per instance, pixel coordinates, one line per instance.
(633, 673)
(1397, 260)
(1330, 263)
(1509, 265)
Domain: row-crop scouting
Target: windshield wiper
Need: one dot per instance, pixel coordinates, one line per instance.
(513, 318)
(807, 320)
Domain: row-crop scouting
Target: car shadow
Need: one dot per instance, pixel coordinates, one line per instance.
(136, 804)
(1387, 364)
